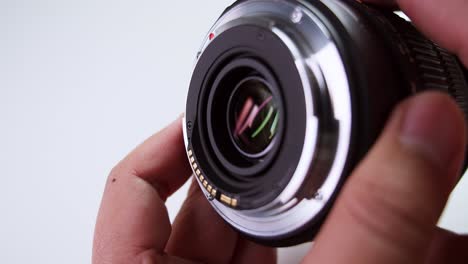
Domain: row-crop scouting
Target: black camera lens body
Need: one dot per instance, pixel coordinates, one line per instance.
(287, 97)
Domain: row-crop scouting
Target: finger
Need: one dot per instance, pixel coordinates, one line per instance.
(248, 252)
(160, 160)
(133, 220)
(153, 257)
(448, 247)
(442, 21)
(199, 233)
(388, 209)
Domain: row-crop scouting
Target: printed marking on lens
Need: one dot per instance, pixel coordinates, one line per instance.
(198, 172)
(202, 178)
(195, 165)
(213, 192)
(205, 184)
(209, 188)
(192, 159)
(190, 153)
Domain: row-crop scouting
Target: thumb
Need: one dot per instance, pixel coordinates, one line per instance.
(388, 210)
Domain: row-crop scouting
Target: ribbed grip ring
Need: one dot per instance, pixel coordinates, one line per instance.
(435, 67)
(426, 65)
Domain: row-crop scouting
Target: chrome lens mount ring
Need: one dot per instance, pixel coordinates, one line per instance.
(327, 99)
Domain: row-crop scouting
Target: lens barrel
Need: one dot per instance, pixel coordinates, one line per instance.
(288, 96)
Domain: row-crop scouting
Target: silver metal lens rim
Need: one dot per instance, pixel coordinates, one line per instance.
(286, 213)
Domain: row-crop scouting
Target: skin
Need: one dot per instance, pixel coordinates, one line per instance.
(386, 213)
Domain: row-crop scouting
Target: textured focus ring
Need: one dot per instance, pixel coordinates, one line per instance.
(427, 65)
(434, 67)
(424, 64)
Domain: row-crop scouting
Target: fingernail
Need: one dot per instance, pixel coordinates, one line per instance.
(430, 128)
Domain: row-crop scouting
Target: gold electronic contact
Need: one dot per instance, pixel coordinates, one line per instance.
(234, 202)
(225, 199)
(229, 201)
(209, 188)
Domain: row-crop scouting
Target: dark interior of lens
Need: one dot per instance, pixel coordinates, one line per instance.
(257, 165)
(244, 118)
(253, 117)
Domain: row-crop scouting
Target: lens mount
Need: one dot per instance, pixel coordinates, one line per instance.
(308, 73)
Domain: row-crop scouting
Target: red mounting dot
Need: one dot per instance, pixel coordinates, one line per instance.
(212, 35)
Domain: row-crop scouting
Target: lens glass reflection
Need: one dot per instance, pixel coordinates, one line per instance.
(253, 116)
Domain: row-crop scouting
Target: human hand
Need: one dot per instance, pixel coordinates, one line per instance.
(133, 225)
(386, 213)
(389, 208)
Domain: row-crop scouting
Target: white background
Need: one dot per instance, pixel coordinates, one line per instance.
(82, 83)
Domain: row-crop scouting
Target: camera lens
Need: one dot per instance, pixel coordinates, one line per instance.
(253, 117)
(288, 96)
(240, 123)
